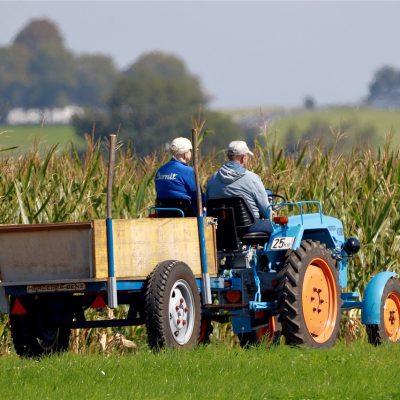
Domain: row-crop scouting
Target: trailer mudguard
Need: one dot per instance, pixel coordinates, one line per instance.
(371, 305)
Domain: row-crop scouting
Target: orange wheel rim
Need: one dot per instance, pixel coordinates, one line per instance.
(319, 299)
(266, 331)
(391, 316)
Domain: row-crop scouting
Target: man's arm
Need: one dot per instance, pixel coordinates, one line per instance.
(261, 197)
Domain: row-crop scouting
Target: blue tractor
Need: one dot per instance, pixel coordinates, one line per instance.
(293, 281)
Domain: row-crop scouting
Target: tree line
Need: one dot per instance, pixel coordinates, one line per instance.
(148, 103)
(152, 101)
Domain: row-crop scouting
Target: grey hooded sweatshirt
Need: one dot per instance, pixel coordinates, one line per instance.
(232, 179)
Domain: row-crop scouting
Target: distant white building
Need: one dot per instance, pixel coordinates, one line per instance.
(20, 116)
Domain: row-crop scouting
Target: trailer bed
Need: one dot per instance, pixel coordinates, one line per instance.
(73, 252)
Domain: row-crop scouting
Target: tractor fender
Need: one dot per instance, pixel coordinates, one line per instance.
(371, 305)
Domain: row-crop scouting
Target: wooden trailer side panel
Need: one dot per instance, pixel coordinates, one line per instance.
(140, 244)
(46, 252)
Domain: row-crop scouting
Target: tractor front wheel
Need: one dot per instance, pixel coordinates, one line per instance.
(173, 311)
(309, 296)
(388, 330)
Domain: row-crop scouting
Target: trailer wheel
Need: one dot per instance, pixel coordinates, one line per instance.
(34, 334)
(172, 306)
(309, 296)
(389, 328)
(267, 333)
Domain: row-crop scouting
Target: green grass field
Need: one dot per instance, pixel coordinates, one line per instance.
(352, 122)
(24, 136)
(346, 120)
(355, 371)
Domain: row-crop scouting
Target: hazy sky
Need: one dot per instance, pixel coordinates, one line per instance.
(246, 54)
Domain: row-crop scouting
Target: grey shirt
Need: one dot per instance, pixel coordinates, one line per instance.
(232, 179)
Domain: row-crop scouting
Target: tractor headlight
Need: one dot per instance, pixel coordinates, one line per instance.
(351, 245)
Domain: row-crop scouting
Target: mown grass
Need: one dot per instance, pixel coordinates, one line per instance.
(356, 371)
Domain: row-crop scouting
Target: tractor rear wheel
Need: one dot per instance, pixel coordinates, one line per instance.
(309, 296)
(172, 306)
(389, 328)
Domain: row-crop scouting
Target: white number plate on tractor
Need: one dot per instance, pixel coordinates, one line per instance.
(282, 243)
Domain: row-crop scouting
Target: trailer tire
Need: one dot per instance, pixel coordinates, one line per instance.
(173, 310)
(388, 330)
(34, 335)
(309, 296)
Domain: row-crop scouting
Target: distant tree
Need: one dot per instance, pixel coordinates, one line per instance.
(49, 66)
(14, 77)
(222, 130)
(309, 102)
(386, 80)
(52, 76)
(95, 78)
(154, 101)
(38, 71)
(39, 33)
(94, 122)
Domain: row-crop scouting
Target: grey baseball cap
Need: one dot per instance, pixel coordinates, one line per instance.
(238, 148)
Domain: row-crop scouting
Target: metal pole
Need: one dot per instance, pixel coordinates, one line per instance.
(111, 283)
(196, 172)
(206, 287)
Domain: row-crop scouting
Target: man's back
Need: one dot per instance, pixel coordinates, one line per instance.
(175, 179)
(232, 179)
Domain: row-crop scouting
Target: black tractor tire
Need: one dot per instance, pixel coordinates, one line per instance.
(35, 335)
(388, 330)
(309, 298)
(173, 311)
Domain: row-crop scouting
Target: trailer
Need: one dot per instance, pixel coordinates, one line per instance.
(52, 273)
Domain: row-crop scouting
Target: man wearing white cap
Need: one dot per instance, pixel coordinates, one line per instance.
(175, 179)
(233, 179)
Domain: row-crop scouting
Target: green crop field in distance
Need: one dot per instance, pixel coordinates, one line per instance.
(346, 120)
(354, 371)
(24, 136)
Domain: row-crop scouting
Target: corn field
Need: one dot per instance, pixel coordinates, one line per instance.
(362, 188)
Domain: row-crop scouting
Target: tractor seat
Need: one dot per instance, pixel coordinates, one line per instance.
(255, 238)
(234, 218)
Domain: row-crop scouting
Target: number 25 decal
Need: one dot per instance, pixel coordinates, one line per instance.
(282, 243)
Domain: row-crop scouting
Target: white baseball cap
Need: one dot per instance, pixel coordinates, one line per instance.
(180, 145)
(238, 148)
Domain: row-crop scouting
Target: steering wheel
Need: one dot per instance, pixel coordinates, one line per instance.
(276, 205)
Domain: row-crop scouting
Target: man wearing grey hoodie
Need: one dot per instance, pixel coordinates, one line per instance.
(233, 179)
